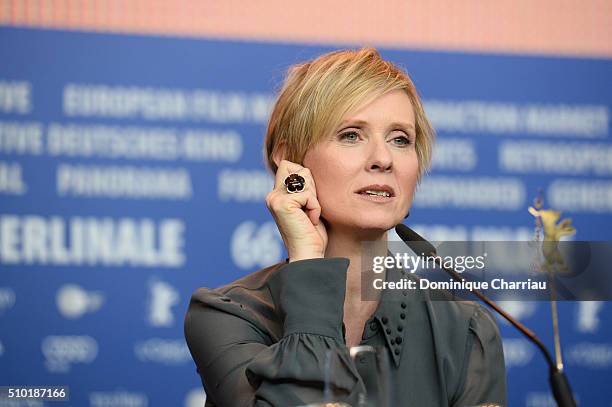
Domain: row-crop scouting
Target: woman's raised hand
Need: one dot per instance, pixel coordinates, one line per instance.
(298, 215)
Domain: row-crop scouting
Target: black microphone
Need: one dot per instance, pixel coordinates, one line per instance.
(558, 381)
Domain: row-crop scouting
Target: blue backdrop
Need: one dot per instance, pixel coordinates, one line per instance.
(131, 173)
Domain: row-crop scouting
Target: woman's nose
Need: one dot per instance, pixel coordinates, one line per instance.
(380, 158)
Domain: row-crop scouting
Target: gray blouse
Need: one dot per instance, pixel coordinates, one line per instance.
(266, 339)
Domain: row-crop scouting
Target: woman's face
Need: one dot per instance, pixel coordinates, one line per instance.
(366, 170)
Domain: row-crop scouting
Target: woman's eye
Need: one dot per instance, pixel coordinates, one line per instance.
(402, 141)
(350, 136)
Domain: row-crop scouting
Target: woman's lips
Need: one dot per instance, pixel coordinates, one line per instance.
(376, 198)
(377, 189)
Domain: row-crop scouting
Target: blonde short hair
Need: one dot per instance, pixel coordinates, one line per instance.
(317, 94)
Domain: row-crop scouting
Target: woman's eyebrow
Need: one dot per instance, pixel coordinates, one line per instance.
(366, 124)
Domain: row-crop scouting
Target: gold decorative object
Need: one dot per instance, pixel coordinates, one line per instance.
(547, 220)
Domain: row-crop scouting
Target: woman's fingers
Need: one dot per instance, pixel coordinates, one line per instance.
(308, 196)
(297, 214)
(286, 168)
(312, 208)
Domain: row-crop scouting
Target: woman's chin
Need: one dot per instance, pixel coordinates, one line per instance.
(369, 226)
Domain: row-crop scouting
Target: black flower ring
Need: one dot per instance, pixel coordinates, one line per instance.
(294, 183)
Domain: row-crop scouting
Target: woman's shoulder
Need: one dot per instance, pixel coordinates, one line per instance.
(458, 308)
(249, 284)
(461, 314)
(463, 331)
(247, 298)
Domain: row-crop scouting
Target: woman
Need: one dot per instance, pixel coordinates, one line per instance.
(348, 141)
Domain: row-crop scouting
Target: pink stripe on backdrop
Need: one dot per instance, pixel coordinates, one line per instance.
(558, 27)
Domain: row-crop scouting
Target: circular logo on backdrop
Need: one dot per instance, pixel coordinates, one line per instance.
(73, 301)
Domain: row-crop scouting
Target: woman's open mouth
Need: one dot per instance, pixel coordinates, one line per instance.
(377, 193)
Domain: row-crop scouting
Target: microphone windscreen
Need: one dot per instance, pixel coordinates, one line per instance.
(415, 241)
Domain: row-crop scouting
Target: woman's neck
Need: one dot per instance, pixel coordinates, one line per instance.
(349, 244)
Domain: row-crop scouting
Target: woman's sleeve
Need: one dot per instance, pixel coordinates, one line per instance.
(484, 380)
(237, 361)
